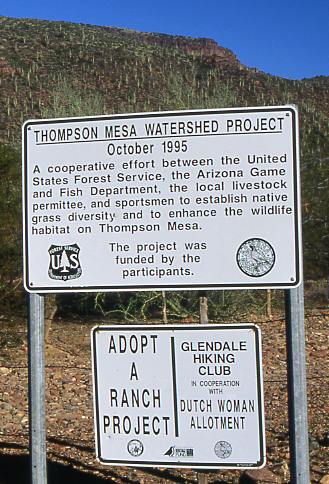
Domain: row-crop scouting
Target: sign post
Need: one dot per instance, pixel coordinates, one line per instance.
(37, 411)
(297, 389)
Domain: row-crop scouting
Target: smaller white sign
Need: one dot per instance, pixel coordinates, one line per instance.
(178, 396)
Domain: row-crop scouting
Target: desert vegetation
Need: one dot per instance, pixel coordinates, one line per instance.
(59, 69)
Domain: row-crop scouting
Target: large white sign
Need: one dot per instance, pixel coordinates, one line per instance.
(178, 395)
(190, 199)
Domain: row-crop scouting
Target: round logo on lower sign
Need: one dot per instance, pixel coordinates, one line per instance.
(255, 257)
(223, 449)
(135, 447)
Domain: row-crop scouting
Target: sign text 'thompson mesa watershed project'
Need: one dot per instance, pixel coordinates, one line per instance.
(178, 395)
(188, 199)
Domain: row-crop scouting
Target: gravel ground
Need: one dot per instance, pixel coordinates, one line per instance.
(69, 412)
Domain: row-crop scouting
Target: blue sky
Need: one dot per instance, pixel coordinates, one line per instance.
(287, 38)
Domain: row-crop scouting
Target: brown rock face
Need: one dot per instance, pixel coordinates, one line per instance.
(207, 48)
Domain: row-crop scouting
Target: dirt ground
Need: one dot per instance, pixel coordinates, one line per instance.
(69, 408)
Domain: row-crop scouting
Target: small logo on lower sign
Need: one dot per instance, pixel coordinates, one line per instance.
(255, 257)
(135, 447)
(64, 262)
(180, 452)
(223, 449)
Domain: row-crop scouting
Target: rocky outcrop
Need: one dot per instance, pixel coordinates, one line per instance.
(207, 48)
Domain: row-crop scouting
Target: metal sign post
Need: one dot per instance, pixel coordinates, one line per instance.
(203, 319)
(297, 391)
(37, 390)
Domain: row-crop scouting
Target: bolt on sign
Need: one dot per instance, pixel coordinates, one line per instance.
(178, 395)
(145, 201)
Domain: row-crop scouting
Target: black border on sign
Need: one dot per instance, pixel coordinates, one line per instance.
(204, 327)
(169, 287)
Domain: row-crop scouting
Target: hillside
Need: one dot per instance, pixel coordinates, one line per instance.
(56, 69)
(133, 71)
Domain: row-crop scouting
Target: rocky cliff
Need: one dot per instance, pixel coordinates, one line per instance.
(208, 48)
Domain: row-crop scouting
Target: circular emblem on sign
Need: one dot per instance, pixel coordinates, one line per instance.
(223, 449)
(135, 447)
(255, 257)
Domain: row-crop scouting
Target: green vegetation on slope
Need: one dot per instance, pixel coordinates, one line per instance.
(55, 69)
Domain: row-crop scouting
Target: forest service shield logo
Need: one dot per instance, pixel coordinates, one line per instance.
(64, 262)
